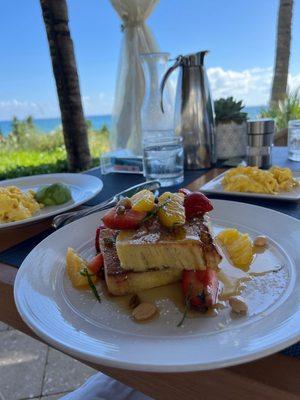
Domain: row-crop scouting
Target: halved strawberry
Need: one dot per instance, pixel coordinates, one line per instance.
(196, 203)
(200, 288)
(96, 264)
(129, 219)
(97, 243)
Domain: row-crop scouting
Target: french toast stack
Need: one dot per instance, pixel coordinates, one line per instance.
(153, 255)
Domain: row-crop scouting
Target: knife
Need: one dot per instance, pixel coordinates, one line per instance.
(66, 218)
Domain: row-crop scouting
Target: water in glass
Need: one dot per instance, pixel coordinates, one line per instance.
(294, 140)
(163, 158)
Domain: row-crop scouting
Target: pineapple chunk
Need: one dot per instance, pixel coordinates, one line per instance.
(171, 210)
(75, 264)
(143, 201)
(238, 247)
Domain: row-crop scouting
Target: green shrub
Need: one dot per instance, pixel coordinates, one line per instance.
(27, 151)
(287, 110)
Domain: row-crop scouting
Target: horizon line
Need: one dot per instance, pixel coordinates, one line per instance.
(89, 116)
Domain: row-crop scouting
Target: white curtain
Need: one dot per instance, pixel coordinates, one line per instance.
(126, 123)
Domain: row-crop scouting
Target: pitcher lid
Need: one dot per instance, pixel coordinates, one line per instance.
(194, 59)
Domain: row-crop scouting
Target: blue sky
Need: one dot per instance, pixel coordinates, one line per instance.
(240, 35)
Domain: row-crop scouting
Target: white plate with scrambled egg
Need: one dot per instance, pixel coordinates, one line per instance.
(19, 207)
(276, 183)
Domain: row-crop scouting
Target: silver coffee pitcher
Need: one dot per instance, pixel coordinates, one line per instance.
(194, 111)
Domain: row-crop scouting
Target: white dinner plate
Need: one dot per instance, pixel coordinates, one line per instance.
(73, 321)
(215, 186)
(83, 188)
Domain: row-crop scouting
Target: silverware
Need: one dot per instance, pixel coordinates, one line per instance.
(68, 217)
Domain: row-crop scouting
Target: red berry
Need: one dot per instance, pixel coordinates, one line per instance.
(200, 287)
(196, 203)
(97, 243)
(96, 264)
(129, 219)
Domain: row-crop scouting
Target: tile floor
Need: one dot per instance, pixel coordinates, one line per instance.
(32, 370)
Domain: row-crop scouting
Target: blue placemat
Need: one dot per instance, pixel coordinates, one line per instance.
(114, 183)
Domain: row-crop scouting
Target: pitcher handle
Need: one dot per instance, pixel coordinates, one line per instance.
(178, 62)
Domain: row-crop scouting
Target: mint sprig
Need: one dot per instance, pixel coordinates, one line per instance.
(85, 272)
(187, 306)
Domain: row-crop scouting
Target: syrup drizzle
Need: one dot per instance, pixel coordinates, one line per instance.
(232, 282)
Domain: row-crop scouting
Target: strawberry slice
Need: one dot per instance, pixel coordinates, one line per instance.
(195, 203)
(97, 243)
(200, 287)
(96, 264)
(129, 219)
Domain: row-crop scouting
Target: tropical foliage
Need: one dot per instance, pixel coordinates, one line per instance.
(27, 151)
(286, 110)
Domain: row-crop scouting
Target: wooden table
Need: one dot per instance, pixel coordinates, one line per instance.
(275, 377)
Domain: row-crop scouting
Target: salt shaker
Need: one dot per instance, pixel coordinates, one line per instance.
(260, 133)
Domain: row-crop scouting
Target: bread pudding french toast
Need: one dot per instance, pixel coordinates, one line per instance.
(119, 281)
(154, 247)
(158, 247)
(146, 242)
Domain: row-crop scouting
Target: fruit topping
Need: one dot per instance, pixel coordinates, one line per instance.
(171, 210)
(143, 201)
(97, 244)
(238, 247)
(195, 203)
(75, 266)
(201, 288)
(130, 219)
(96, 264)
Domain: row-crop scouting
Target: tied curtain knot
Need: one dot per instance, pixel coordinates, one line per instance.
(131, 24)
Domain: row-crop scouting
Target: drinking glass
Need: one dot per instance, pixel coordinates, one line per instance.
(163, 159)
(294, 140)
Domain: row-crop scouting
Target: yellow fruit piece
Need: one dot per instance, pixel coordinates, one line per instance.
(75, 264)
(238, 246)
(171, 211)
(143, 201)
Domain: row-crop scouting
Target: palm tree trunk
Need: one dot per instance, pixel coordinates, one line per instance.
(55, 14)
(284, 28)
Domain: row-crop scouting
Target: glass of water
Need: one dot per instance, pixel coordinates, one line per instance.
(294, 140)
(163, 159)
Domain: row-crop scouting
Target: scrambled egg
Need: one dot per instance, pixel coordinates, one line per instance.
(255, 180)
(16, 205)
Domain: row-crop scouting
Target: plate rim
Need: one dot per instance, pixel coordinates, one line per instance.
(280, 197)
(34, 219)
(129, 365)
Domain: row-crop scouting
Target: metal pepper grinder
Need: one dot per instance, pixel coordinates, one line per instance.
(260, 133)
(194, 111)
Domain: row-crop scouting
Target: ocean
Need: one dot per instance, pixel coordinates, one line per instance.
(47, 125)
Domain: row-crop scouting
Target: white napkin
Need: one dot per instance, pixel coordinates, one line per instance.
(102, 387)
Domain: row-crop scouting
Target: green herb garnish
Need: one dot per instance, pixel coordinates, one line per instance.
(187, 306)
(154, 212)
(85, 272)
